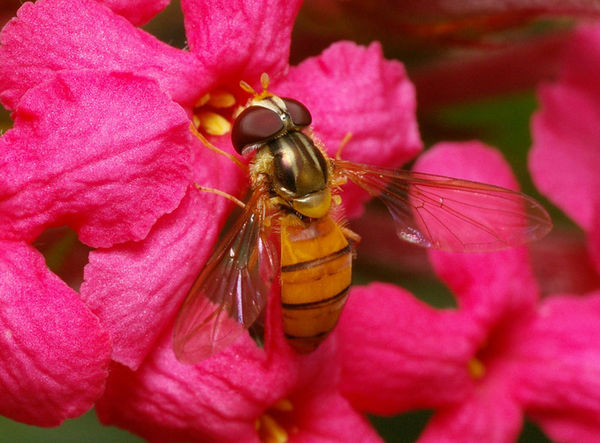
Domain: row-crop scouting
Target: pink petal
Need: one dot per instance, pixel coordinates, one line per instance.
(353, 89)
(240, 39)
(488, 415)
(106, 154)
(562, 263)
(327, 416)
(56, 35)
(218, 399)
(137, 12)
(136, 288)
(594, 243)
(568, 139)
(560, 374)
(492, 283)
(474, 7)
(582, 58)
(399, 353)
(53, 354)
(570, 429)
(488, 73)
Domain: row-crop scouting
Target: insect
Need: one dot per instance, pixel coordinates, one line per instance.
(294, 196)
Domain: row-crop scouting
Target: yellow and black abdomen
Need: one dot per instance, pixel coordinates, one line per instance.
(316, 272)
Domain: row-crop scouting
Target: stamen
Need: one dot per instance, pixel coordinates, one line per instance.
(264, 81)
(212, 123)
(221, 99)
(476, 368)
(246, 87)
(202, 100)
(284, 405)
(270, 431)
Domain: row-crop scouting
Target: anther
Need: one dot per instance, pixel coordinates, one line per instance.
(202, 101)
(212, 123)
(284, 405)
(221, 99)
(264, 81)
(270, 431)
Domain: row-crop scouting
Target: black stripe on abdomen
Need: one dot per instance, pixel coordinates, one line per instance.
(318, 303)
(317, 261)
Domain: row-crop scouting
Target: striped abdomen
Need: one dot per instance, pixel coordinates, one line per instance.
(316, 271)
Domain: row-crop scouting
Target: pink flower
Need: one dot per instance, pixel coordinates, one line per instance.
(241, 394)
(500, 355)
(564, 159)
(101, 143)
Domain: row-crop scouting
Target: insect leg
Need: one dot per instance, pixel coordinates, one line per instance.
(213, 148)
(344, 142)
(351, 236)
(230, 197)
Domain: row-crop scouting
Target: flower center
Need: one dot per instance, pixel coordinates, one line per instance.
(275, 425)
(214, 111)
(476, 368)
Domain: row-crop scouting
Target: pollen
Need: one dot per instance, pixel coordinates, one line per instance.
(284, 405)
(476, 368)
(202, 101)
(269, 431)
(214, 112)
(221, 99)
(277, 423)
(212, 123)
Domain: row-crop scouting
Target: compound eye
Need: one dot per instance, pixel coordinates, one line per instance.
(254, 125)
(299, 113)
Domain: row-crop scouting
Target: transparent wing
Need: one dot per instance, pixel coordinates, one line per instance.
(451, 214)
(231, 291)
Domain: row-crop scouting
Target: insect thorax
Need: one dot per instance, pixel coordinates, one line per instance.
(297, 172)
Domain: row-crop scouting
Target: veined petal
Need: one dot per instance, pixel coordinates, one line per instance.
(327, 416)
(476, 8)
(398, 353)
(137, 12)
(492, 283)
(241, 39)
(53, 354)
(563, 160)
(594, 242)
(226, 397)
(54, 35)
(582, 58)
(488, 415)
(484, 74)
(218, 399)
(106, 154)
(351, 89)
(136, 288)
(559, 381)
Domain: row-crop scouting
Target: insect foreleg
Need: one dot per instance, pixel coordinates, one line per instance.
(343, 143)
(230, 197)
(351, 236)
(213, 148)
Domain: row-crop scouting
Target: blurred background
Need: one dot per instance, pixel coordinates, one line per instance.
(475, 67)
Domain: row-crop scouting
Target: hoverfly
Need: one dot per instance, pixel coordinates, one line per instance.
(294, 186)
